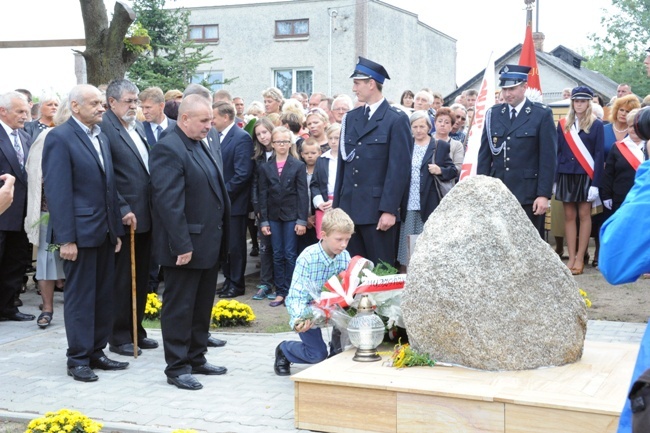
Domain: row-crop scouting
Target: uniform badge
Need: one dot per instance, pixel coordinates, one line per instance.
(527, 110)
(495, 139)
(503, 110)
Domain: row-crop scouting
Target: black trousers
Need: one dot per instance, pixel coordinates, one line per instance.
(185, 321)
(234, 269)
(88, 303)
(123, 315)
(375, 245)
(15, 254)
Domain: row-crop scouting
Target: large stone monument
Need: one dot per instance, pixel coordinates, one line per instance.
(485, 291)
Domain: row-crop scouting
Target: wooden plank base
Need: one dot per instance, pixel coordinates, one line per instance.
(340, 395)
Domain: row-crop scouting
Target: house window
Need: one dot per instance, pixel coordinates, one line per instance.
(290, 81)
(213, 80)
(292, 28)
(205, 33)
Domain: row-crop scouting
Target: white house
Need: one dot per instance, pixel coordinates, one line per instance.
(312, 46)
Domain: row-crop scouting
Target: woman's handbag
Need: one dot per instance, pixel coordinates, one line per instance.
(442, 187)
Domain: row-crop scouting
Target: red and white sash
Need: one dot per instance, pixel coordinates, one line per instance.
(631, 152)
(578, 148)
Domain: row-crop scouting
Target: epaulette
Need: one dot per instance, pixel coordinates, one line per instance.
(539, 104)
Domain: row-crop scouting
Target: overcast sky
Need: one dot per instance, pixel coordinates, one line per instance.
(479, 26)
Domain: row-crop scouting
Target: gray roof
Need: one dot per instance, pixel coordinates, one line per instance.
(598, 82)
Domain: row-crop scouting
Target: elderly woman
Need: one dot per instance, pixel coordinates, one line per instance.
(273, 100)
(430, 158)
(445, 120)
(49, 266)
(617, 129)
(341, 105)
(580, 164)
(49, 104)
(620, 167)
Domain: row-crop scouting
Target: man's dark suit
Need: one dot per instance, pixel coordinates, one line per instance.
(15, 253)
(526, 164)
(191, 211)
(83, 205)
(376, 179)
(212, 139)
(151, 136)
(237, 153)
(134, 194)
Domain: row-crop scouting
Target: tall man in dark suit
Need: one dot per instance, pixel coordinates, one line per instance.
(85, 220)
(519, 145)
(374, 166)
(237, 153)
(152, 102)
(15, 253)
(191, 212)
(130, 153)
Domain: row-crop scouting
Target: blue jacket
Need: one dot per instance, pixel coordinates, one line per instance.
(237, 154)
(526, 164)
(594, 142)
(377, 178)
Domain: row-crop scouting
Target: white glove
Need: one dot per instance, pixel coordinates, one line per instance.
(554, 187)
(593, 193)
(608, 204)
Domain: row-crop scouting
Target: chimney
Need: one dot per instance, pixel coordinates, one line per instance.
(538, 40)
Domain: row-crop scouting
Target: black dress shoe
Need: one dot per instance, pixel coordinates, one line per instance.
(232, 293)
(282, 364)
(146, 343)
(185, 381)
(124, 349)
(104, 363)
(82, 373)
(209, 369)
(224, 288)
(17, 317)
(215, 342)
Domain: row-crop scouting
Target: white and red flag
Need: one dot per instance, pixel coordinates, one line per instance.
(484, 102)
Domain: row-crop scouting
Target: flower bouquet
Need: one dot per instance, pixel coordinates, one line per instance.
(64, 420)
(153, 307)
(231, 313)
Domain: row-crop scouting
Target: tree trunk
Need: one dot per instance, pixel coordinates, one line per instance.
(106, 55)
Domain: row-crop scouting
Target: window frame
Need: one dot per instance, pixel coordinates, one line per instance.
(293, 29)
(203, 38)
(294, 80)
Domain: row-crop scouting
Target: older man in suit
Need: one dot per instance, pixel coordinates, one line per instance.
(85, 221)
(130, 153)
(237, 153)
(374, 166)
(191, 212)
(15, 253)
(519, 145)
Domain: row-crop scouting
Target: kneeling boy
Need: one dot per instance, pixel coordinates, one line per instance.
(315, 265)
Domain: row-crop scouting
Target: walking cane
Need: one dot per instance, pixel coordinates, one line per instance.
(133, 297)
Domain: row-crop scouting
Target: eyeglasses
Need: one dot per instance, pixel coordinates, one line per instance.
(131, 101)
(282, 142)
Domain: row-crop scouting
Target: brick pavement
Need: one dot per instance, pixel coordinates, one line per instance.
(250, 398)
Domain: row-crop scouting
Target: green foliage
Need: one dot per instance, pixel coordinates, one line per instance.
(620, 52)
(173, 58)
(384, 268)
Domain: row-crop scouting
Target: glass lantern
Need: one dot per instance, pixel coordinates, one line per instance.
(366, 331)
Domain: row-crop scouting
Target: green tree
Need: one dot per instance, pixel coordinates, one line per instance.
(620, 52)
(173, 58)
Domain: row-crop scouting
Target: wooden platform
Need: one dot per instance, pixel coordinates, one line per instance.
(340, 395)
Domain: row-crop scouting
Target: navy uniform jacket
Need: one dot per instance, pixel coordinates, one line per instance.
(526, 164)
(618, 177)
(595, 144)
(13, 219)
(81, 195)
(238, 165)
(131, 175)
(191, 208)
(377, 178)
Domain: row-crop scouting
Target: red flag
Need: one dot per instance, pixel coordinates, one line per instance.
(528, 58)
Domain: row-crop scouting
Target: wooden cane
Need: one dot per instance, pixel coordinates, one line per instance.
(133, 296)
